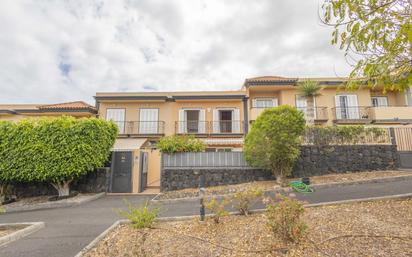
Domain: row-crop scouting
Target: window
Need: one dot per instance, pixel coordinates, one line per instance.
(149, 121)
(117, 116)
(226, 120)
(379, 101)
(192, 121)
(264, 102)
(347, 107)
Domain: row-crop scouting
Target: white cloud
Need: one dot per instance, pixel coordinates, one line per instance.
(53, 51)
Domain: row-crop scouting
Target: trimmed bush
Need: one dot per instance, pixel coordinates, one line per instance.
(54, 150)
(274, 140)
(179, 144)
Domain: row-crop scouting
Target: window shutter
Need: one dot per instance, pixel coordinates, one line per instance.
(274, 102)
(236, 121)
(181, 123)
(202, 121)
(216, 125)
(254, 103)
(353, 107)
(382, 101)
(338, 109)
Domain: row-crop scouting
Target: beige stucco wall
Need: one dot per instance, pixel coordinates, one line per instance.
(169, 111)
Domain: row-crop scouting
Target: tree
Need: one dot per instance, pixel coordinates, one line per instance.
(274, 140)
(54, 150)
(376, 36)
(179, 144)
(309, 89)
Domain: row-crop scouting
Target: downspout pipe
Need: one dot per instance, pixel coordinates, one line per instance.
(246, 114)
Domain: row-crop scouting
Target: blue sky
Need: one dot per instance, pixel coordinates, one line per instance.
(53, 51)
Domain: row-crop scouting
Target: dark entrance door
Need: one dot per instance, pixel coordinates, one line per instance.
(122, 166)
(143, 172)
(226, 121)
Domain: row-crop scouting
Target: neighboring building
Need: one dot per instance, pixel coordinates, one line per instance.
(222, 118)
(15, 112)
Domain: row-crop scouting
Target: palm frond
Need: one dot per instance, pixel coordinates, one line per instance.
(309, 88)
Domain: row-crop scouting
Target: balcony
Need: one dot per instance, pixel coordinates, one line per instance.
(352, 114)
(140, 128)
(206, 128)
(318, 114)
(392, 114)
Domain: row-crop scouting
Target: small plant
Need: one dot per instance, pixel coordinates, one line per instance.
(140, 216)
(2, 210)
(217, 208)
(285, 219)
(245, 199)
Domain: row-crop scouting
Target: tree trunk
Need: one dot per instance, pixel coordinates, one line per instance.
(310, 110)
(63, 188)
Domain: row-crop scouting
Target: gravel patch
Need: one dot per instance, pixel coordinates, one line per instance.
(271, 185)
(382, 228)
(29, 201)
(7, 230)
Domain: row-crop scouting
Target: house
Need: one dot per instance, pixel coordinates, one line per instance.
(15, 112)
(222, 118)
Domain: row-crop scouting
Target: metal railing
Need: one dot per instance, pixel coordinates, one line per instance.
(140, 127)
(209, 127)
(352, 113)
(316, 113)
(204, 160)
(192, 127)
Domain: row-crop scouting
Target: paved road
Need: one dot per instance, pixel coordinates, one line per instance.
(68, 230)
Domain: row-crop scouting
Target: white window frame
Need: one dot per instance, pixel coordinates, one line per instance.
(149, 126)
(273, 100)
(377, 101)
(120, 123)
(182, 126)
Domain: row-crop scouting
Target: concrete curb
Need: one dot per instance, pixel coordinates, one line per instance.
(288, 189)
(33, 227)
(53, 205)
(179, 218)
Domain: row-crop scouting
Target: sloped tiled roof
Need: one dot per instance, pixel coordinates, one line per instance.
(76, 105)
(270, 80)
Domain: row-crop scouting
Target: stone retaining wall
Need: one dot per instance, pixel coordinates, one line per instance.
(173, 179)
(314, 160)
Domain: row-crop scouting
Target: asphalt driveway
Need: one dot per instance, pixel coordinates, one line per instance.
(68, 230)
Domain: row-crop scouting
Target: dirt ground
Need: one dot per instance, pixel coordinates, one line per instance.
(381, 228)
(6, 230)
(270, 185)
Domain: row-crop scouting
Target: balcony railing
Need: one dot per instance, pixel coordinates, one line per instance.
(316, 113)
(140, 127)
(361, 114)
(209, 127)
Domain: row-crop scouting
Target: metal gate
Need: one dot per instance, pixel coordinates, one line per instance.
(143, 172)
(121, 176)
(403, 139)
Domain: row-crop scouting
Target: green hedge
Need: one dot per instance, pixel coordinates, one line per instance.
(179, 144)
(345, 135)
(54, 150)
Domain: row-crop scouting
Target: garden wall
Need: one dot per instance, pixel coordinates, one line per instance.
(174, 178)
(94, 182)
(314, 160)
(321, 160)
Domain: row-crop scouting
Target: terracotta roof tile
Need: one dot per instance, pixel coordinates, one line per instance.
(69, 105)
